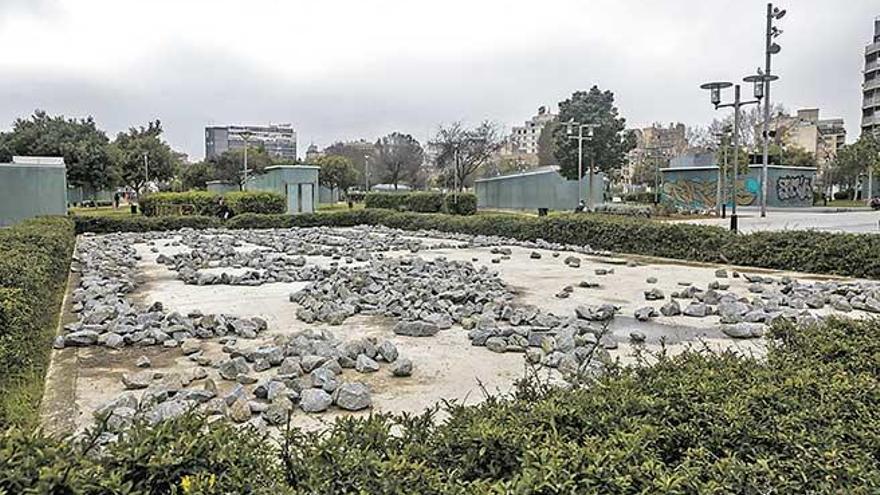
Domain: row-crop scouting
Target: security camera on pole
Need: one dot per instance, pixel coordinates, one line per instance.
(764, 78)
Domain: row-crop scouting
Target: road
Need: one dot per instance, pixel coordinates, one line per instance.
(857, 220)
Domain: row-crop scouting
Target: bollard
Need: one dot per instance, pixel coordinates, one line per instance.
(724, 210)
(733, 223)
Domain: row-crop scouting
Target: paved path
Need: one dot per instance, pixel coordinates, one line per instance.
(859, 220)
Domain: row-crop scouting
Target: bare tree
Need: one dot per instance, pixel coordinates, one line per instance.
(461, 151)
(399, 158)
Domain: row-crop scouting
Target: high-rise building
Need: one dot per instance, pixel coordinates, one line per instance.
(524, 139)
(278, 140)
(871, 85)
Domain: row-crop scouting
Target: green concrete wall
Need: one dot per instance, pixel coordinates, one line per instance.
(220, 187)
(535, 189)
(28, 191)
(299, 183)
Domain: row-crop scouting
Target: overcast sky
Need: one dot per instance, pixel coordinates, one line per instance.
(346, 69)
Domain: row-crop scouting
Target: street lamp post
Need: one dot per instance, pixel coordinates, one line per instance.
(570, 125)
(146, 170)
(246, 136)
(367, 173)
(715, 96)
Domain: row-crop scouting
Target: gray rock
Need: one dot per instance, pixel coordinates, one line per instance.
(651, 280)
(81, 338)
(743, 330)
(645, 313)
(190, 346)
(402, 367)
(721, 273)
(364, 364)
(671, 308)
(496, 344)
(311, 362)
(278, 412)
(654, 294)
(535, 255)
(143, 362)
(315, 400)
(696, 310)
(416, 329)
(637, 337)
(388, 351)
(166, 410)
(230, 369)
(353, 397)
(134, 381)
(239, 411)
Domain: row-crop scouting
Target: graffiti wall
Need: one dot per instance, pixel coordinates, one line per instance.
(697, 188)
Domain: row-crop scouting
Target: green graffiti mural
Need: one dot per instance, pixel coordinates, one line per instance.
(702, 194)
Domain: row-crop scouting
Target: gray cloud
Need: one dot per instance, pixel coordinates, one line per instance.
(189, 86)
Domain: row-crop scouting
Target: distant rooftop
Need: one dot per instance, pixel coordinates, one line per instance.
(38, 161)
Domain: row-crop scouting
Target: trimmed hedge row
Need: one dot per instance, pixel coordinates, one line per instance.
(803, 420)
(34, 261)
(855, 255)
(424, 202)
(206, 203)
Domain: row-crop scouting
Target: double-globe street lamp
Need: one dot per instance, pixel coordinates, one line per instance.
(570, 126)
(715, 97)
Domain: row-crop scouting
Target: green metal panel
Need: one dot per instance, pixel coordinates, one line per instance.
(541, 188)
(278, 178)
(696, 188)
(27, 191)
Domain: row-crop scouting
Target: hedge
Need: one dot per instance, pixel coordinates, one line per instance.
(802, 420)
(424, 202)
(34, 261)
(206, 203)
(854, 255)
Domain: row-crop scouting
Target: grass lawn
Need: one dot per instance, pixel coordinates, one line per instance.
(339, 206)
(846, 203)
(102, 211)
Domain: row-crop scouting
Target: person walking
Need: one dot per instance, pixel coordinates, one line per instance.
(116, 200)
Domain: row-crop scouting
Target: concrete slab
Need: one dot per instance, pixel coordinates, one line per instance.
(447, 367)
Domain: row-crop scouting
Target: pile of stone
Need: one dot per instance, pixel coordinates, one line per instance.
(438, 292)
(308, 374)
(105, 317)
(772, 298)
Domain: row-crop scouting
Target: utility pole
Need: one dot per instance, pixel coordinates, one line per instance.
(770, 48)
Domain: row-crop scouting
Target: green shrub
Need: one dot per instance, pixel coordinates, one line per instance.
(206, 203)
(104, 225)
(34, 260)
(172, 203)
(387, 201)
(424, 202)
(844, 195)
(461, 204)
(639, 197)
(803, 419)
(256, 202)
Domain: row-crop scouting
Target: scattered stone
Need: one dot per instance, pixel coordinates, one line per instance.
(364, 364)
(651, 280)
(637, 337)
(353, 397)
(143, 362)
(645, 313)
(134, 381)
(315, 400)
(743, 330)
(654, 294)
(721, 273)
(416, 329)
(670, 309)
(402, 367)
